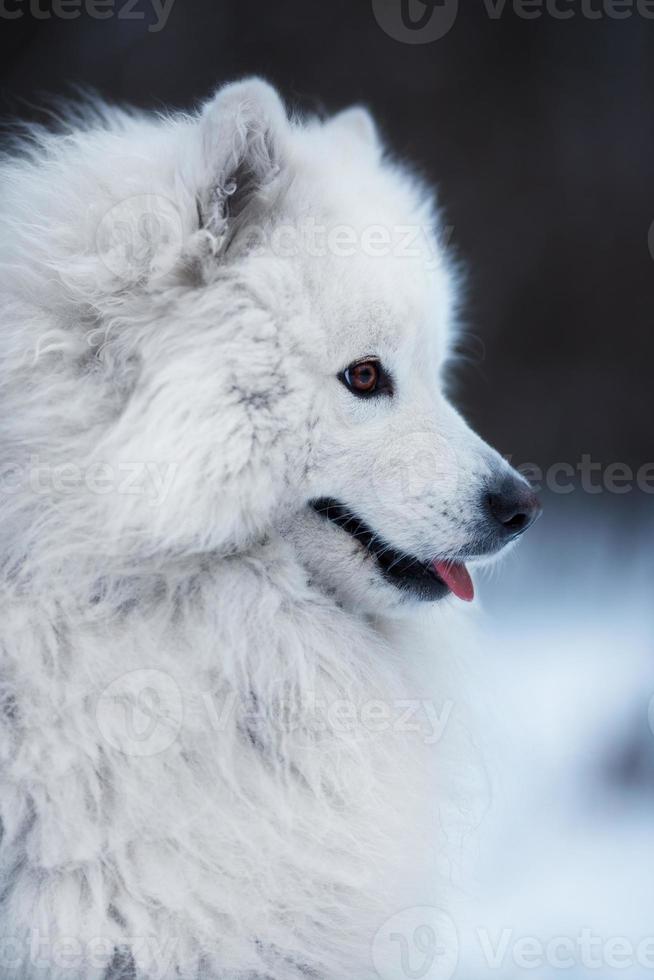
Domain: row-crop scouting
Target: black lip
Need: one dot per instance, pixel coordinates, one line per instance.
(405, 572)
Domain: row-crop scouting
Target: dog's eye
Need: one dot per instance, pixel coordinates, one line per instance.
(366, 378)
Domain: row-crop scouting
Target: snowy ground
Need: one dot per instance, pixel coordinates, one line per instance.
(566, 854)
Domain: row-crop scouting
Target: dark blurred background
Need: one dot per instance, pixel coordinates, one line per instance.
(538, 132)
(540, 136)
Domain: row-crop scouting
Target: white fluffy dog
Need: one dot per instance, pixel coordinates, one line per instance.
(232, 496)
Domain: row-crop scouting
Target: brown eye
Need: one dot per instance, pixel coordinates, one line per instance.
(363, 377)
(366, 378)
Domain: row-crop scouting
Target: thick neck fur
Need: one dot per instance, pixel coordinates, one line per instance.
(263, 812)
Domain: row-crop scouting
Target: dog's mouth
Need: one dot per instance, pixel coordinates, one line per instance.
(426, 581)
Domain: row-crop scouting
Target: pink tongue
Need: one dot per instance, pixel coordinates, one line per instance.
(456, 578)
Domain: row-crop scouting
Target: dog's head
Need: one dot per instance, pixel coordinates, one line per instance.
(263, 313)
(397, 492)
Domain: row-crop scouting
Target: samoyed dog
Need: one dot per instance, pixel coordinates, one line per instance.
(237, 513)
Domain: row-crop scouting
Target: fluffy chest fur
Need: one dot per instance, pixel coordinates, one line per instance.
(218, 768)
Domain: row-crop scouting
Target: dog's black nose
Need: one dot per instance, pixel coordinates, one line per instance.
(512, 507)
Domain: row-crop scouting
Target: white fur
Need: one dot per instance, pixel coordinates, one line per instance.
(205, 365)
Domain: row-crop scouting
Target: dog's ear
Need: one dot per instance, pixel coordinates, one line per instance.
(356, 126)
(243, 135)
